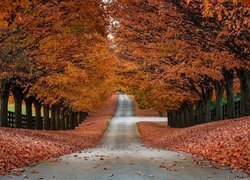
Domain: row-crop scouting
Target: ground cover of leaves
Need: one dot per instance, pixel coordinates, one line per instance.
(21, 147)
(224, 143)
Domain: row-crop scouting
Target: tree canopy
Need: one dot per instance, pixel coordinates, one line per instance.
(175, 55)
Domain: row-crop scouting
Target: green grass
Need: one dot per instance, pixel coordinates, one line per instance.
(11, 108)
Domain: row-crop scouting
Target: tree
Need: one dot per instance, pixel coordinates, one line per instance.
(181, 44)
(55, 47)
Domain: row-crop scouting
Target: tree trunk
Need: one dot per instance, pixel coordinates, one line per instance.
(4, 98)
(38, 107)
(82, 117)
(191, 115)
(67, 126)
(72, 120)
(199, 112)
(57, 118)
(219, 90)
(244, 77)
(46, 117)
(29, 118)
(77, 119)
(18, 97)
(85, 114)
(228, 76)
(208, 99)
(169, 119)
(183, 124)
(173, 118)
(186, 115)
(62, 118)
(178, 118)
(53, 118)
(71, 117)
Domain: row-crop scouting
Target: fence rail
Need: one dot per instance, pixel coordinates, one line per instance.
(237, 111)
(182, 119)
(11, 120)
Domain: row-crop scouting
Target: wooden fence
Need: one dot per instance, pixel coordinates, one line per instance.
(11, 120)
(237, 111)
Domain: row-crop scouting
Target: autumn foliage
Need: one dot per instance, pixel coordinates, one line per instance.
(175, 56)
(180, 56)
(225, 143)
(55, 55)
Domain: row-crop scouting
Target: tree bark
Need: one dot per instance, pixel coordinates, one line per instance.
(81, 117)
(72, 120)
(53, 118)
(208, 99)
(169, 119)
(228, 76)
(29, 118)
(57, 118)
(191, 115)
(186, 115)
(244, 77)
(46, 117)
(18, 97)
(67, 126)
(173, 118)
(199, 112)
(85, 114)
(219, 90)
(38, 107)
(182, 116)
(4, 98)
(77, 119)
(62, 118)
(178, 118)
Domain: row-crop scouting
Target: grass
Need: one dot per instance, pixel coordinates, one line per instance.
(11, 108)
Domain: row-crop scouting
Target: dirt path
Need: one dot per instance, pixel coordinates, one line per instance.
(121, 155)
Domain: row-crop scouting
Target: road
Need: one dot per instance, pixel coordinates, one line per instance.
(121, 155)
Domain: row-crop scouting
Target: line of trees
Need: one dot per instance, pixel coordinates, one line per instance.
(181, 55)
(55, 55)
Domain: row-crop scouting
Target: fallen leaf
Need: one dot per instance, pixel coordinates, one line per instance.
(140, 174)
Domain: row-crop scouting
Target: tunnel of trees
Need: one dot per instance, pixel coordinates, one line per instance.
(189, 58)
(54, 56)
